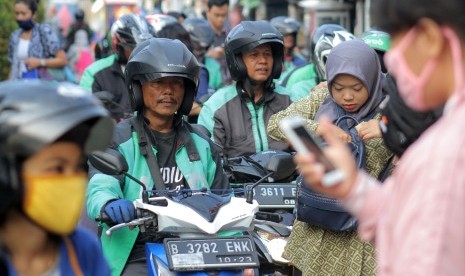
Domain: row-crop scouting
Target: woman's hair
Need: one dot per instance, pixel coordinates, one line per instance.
(32, 4)
(395, 15)
(176, 31)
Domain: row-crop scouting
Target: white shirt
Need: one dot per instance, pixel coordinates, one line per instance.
(23, 50)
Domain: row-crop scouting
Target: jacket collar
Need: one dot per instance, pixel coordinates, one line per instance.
(268, 96)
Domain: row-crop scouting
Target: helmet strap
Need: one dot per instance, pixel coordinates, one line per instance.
(120, 54)
(248, 85)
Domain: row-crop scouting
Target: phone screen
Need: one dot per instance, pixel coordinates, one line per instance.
(312, 146)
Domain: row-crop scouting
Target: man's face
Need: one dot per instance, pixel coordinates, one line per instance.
(259, 63)
(217, 16)
(163, 97)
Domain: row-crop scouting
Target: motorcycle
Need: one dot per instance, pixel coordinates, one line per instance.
(188, 223)
(277, 195)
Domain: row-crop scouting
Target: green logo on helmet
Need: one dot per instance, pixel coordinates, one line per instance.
(377, 40)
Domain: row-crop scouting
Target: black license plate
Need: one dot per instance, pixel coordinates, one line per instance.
(210, 254)
(275, 195)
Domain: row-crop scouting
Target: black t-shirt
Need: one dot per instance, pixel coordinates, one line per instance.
(171, 175)
(166, 156)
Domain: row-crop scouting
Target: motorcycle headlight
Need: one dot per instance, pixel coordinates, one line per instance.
(274, 244)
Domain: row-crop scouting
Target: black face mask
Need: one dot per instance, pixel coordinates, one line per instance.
(25, 24)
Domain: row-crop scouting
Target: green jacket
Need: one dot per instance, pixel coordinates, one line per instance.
(106, 75)
(214, 73)
(306, 72)
(302, 89)
(196, 158)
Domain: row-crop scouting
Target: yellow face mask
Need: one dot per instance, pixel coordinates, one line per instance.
(55, 202)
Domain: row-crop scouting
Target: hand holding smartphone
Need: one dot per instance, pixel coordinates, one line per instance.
(304, 142)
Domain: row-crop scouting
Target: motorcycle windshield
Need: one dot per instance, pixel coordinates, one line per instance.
(205, 204)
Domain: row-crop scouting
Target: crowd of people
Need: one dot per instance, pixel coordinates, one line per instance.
(176, 96)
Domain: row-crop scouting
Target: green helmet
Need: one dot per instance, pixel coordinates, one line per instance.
(378, 40)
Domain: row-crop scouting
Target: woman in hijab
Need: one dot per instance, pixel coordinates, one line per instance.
(355, 89)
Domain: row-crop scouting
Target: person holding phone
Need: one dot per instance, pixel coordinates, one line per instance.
(354, 88)
(416, 217)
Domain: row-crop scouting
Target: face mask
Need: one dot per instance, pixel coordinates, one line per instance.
(55, 202)
(411, 87)
(25, 24)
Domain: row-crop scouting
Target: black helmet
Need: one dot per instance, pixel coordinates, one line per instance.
(200, 31)
(401, 125)
(323, 46)
(322, 30)
(36, 113)
(128, 31)
(246, 36)
(285, 25)
(79, 15)
(158, 58)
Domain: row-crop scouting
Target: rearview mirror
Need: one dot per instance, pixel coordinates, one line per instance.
(109, 162)
(281, 165)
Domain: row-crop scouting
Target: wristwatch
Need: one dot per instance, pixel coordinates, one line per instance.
(42, 62)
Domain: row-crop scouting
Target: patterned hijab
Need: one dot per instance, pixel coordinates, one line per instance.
(357, 59)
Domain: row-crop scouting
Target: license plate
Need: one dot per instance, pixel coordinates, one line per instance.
(210, 254)
(275, 195)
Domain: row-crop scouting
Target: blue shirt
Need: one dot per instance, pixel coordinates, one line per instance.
(87, 250)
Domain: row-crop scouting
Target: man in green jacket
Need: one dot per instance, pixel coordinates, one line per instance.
(107, 74)
(162, 76)
(238, 115)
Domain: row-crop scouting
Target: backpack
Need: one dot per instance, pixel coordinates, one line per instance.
(324, 212)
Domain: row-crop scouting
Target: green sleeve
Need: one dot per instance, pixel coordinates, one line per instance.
(87, 80)
(206, 117)
(100, 190)
(306, 72)
(214, 72)
(301, 89)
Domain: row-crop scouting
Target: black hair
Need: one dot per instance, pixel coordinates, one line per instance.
(177, 15)
(217, 3)
(396, 15)
(32, 4)
(176, 31)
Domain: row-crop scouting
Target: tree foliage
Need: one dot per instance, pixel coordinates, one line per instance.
(7, 25)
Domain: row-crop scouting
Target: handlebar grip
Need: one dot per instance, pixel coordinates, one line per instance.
(103, 218)
(269, 217)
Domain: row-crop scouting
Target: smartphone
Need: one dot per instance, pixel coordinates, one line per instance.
(304, 142)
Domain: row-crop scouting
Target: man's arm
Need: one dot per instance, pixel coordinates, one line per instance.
(103, 188)
(87, 79)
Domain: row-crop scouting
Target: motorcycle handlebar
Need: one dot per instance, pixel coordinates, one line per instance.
(103, 218)
(273, 217)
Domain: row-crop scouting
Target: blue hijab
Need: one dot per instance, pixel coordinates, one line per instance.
(355, 58)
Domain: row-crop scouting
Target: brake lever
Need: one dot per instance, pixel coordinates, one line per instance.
(134, 222)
